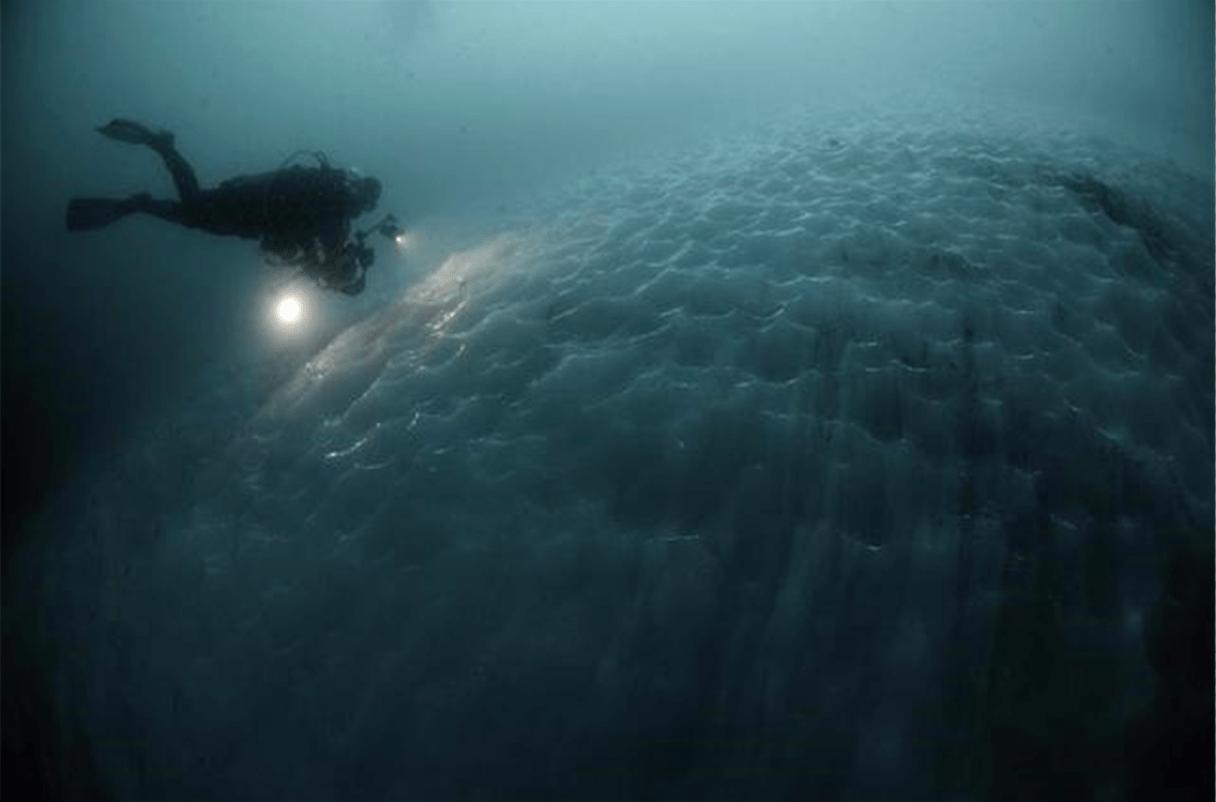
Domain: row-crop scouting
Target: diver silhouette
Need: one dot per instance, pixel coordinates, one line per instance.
(301, 215)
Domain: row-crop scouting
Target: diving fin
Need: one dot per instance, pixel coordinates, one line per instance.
(85, 214)
(134, 133)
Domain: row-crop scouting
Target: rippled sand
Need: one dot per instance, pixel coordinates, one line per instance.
(838, 461)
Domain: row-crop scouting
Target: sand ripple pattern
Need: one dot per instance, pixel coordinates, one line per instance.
(789, 440)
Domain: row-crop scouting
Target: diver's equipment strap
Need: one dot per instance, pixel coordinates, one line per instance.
(276, 177)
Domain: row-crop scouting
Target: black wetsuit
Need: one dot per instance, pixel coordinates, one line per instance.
(288, 210)
(300, 215)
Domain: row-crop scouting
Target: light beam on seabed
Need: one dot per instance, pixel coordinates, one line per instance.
(428, 308)
(449, 285)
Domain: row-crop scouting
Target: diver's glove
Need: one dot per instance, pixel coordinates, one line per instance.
(390, 228)
(387, 227)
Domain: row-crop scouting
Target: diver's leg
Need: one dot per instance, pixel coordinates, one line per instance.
(207, 213)
(183, 174)
(169, 210)
(161, 141)
(85, 214)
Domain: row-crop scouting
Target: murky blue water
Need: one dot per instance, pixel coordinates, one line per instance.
(775, 447)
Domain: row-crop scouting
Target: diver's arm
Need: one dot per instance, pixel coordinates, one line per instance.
(386, 226)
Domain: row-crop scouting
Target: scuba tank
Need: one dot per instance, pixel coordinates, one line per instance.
(282, 209)
(279, 246)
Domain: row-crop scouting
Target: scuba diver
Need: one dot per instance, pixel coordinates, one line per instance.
(300, 215)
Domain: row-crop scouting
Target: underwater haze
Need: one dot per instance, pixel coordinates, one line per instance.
(766, 401)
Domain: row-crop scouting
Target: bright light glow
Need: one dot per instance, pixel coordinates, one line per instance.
(402, 240)
(289, 310)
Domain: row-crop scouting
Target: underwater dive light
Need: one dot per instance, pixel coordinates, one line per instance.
(289, 310)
